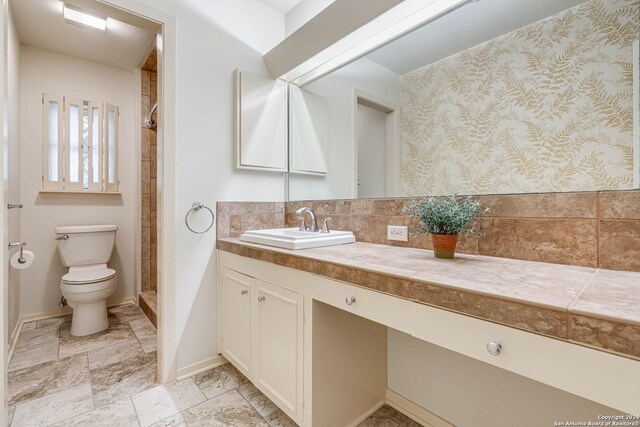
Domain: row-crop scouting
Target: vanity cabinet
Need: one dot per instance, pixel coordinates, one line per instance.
(261, 334)
(235, 318)
(277, 361)
(342, 352)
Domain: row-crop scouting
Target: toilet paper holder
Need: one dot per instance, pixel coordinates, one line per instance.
(21, 260)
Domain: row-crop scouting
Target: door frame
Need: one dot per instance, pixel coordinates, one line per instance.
(4, 252)
(166, 180)
(392, 139)
(167, 345)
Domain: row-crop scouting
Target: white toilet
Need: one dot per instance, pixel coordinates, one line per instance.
(86, 249)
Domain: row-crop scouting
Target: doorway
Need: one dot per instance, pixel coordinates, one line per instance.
(150, 18)
(376, 134)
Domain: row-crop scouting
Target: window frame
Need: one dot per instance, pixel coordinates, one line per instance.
(106, 182)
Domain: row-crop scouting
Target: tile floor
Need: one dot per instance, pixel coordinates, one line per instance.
(109, 378)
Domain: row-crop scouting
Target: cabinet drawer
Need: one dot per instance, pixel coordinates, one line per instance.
(376, 306)
(603, 377)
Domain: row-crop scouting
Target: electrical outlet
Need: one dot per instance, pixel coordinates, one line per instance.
(398, 232)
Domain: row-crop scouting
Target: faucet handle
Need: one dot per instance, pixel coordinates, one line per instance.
(303, 225)
(325, 225)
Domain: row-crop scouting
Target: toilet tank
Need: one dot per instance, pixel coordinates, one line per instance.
(85, 244)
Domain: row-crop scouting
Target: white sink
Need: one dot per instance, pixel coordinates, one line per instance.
(292, 238)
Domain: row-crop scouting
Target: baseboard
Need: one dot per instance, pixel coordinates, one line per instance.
(367, 414)
(414, 411)
(124, 301)
(14, 340)
(67, 310)
(196, 368)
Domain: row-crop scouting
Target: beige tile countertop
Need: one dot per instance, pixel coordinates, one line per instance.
(593, 307)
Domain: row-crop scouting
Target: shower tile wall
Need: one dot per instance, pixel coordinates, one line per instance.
(148, 170)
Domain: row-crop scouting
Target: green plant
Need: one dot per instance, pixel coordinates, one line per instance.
(445, 215)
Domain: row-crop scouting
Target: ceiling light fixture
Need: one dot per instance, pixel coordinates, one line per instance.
(78, 16)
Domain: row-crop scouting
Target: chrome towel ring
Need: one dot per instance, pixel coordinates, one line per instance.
(196, 206)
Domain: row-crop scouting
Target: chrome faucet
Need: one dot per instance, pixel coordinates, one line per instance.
(313, 223)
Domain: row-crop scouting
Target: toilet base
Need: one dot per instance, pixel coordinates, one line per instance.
(89, 318)
(89, 303)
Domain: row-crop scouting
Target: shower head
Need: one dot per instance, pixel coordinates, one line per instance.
(150, 123)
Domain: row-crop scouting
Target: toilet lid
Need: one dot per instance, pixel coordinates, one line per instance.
(88, 275)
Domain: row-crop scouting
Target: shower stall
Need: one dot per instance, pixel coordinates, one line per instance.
(148, 197)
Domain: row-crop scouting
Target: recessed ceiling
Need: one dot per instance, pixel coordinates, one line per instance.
(41, 24)
(283, 6)
(465, 27)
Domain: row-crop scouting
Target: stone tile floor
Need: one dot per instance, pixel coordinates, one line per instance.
(109, 378)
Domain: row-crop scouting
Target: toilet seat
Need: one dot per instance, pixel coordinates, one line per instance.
(85, 276)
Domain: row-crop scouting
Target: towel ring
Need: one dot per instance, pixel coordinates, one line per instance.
(196, 206)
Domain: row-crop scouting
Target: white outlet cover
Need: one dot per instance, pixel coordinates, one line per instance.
(398, 232)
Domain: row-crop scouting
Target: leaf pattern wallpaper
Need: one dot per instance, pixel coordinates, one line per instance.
(545, 108)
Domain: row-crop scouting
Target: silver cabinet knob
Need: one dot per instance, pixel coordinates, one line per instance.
(494, 348)
(261, 298)
(350, 300)
(244, 292)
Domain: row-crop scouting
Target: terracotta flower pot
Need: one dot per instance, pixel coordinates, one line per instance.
(444, 245)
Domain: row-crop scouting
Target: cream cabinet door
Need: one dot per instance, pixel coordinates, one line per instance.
(235, 318)
(278, 346)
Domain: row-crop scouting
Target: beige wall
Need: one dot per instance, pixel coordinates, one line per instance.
(301, 13)
(467, 392)
(545, 108)
(47, 72)
(13, 172)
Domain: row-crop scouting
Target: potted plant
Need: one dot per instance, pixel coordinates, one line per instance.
(444, 218)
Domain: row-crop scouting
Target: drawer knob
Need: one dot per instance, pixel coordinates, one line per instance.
(261, 298)
(350, 300)
(494, 348)
(243, 292)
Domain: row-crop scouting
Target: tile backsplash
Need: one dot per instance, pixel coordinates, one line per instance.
(587, 229)
(236, 217)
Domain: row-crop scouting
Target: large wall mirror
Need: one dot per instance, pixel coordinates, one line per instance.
(496, 96)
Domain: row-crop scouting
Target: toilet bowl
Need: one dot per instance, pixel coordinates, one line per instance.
(86, 290)
(89, 282)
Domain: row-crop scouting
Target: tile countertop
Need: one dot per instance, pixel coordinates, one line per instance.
(594, 307)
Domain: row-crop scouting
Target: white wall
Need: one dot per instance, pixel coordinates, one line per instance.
(47, 72)
(338, 87)
(467, 392)
(213, 38)
(372, 152)
(13, 166)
